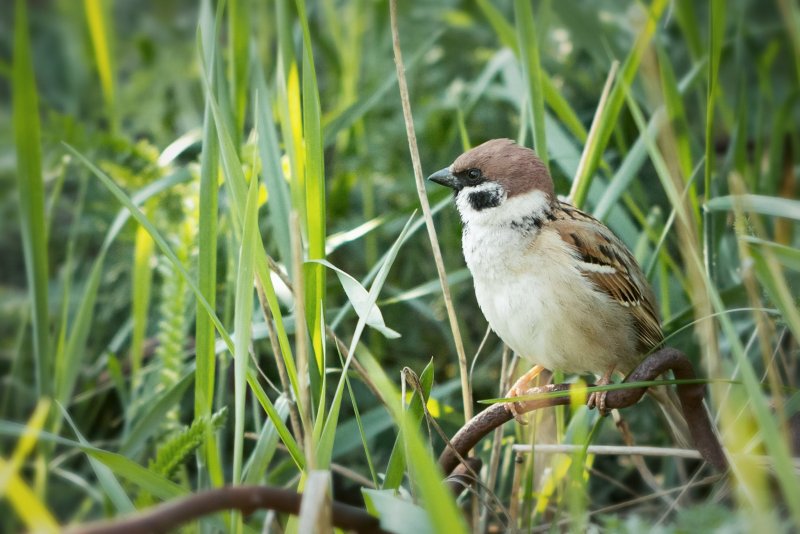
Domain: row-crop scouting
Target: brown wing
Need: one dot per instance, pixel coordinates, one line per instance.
(612, 268)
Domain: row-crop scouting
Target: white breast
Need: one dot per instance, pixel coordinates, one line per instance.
(540, 306)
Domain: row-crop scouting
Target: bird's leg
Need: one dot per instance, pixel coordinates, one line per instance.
(598, 398)
(520, 387)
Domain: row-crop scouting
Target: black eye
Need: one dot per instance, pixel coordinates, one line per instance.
(474, 174)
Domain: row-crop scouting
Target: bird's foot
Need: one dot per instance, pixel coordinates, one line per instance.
(521, 387)
(598, 398)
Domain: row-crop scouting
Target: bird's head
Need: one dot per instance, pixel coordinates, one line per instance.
(498, 182)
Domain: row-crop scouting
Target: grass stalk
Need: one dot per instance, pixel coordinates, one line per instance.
(466, 389)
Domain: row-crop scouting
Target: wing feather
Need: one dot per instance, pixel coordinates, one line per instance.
(611, 267)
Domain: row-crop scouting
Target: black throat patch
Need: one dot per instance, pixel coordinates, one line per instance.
(480, 200)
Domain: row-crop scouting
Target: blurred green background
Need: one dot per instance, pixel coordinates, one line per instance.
(691, 159)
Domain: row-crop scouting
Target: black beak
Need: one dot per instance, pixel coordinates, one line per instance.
(446, 178)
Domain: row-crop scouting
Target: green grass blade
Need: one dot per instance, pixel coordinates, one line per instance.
(279, 202)
(770, 432)
(396, 466)
(607, 119)
(435, 497)
(243, 316)
(325, 443)
(291, 445)
(716, 30)
(676, 112)
(150, 421)
(765, 205)
(142, 477)
(68, 367)
(27, 137)
(238, 60)
(207, 254)
(788, 256)
(137, 214)
(237, 184)
(314, 191)
(100, 36)
(266, 445)
(111, 486)
(527, 39)
(360, 300)
(143, 255)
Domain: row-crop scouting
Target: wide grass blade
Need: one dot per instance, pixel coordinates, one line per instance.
(527, 39)
(143, 256)
(98, 21)
(27, 138)
(25, 444)
(279, 200)
(207, 253)
(243, 315)
(314, 191)
(26, 503)
(256, 468)
(395, 468)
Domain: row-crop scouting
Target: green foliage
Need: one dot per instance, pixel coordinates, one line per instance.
(176, 448)
(157, 155)
(172, 325)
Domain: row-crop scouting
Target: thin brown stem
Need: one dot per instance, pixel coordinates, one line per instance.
(466, 390)
(168, 516)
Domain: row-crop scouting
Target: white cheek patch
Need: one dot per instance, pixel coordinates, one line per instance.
(533, 203)
(464, 202)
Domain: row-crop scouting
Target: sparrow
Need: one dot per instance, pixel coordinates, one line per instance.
(555, 284)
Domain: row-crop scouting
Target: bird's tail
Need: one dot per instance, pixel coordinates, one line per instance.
(670, 405)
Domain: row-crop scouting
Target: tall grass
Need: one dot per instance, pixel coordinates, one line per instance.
(259, 155)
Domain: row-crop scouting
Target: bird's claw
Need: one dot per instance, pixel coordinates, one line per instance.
(514, 406)
(598, 399)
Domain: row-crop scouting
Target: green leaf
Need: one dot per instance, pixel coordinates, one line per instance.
(359, 298)
(27, 137)
(111, 486)
(765, 205)
(528, 43)
(396, 513)
(325, 444)
(97, 22)
(788, 256)
(397, 465)
(291, 445)
(207, 251)
(606, 118)
(158, 238)
(243, 315)
(425, 474)
(150, 422)
(266, 444)
(314, 192)
(145, 479)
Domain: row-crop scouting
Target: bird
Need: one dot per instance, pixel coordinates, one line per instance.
(555, 284)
